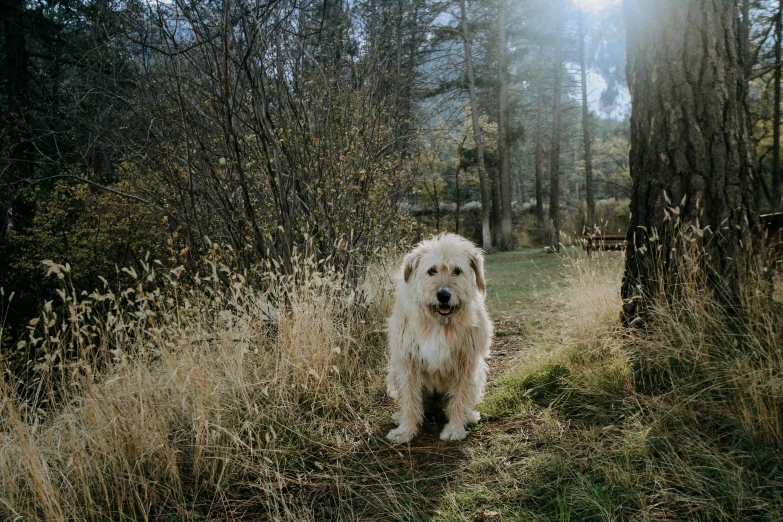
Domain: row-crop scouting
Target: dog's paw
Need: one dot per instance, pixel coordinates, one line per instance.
(453, 433)
(474, 417)
(401, 435)
(396, 417)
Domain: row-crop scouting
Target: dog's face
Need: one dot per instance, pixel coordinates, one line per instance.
(445, 273)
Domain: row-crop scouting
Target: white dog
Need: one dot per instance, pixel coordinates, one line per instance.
(439, 335)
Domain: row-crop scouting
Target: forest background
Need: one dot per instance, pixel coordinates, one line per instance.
(135, 130)
(171, 131)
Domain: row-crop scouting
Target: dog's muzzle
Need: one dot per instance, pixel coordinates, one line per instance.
(444, 297)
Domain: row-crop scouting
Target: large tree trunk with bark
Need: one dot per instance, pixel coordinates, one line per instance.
(586, 131)
(486, 235)
(506, 235)
(690, 159)
(554, 175)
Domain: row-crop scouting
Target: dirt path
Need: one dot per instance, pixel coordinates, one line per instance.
(522, 287)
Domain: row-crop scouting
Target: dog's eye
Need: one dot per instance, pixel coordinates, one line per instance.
(456, 272)
(432, 271)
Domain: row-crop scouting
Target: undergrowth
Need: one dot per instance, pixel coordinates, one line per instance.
(172, 401)
(587, 436)
(216, 400)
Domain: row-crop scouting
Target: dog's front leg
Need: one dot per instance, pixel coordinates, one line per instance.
(409, 386)
(460, 408)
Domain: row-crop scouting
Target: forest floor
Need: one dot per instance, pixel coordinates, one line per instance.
(222, 418)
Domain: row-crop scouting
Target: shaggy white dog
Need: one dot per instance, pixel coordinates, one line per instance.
(439, 335)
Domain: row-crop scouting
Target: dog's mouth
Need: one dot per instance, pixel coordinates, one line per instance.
(445, 310)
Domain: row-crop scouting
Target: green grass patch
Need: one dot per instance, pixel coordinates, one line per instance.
(513, 394)
(521, 280)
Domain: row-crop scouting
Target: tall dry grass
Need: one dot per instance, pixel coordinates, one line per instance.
(710, 377)
(199, 400)
(680, 420)
(689, 406)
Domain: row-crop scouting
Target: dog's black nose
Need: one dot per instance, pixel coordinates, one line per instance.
(443, 295)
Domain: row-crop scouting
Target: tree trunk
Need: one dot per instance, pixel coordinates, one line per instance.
(586, 130)
(437, 211)
(776, 112)
(506, 235)
(540, 167)
(486, 235)
(457, 200)
(457, 194)
(18, 209)
(406, 81)
(554, 175)
(496, 201)
(14, 25)
(745, 28)
(690, 158)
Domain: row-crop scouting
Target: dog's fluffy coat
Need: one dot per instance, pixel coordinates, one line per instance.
(438, 345)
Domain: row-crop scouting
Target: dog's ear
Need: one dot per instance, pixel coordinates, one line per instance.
(477, 264)
(410, 263)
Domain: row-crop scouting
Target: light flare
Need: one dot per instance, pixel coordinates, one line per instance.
(595, 5)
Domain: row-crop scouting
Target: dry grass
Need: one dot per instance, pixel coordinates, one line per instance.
(174, 401)
(591, 440)
(199, 400)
